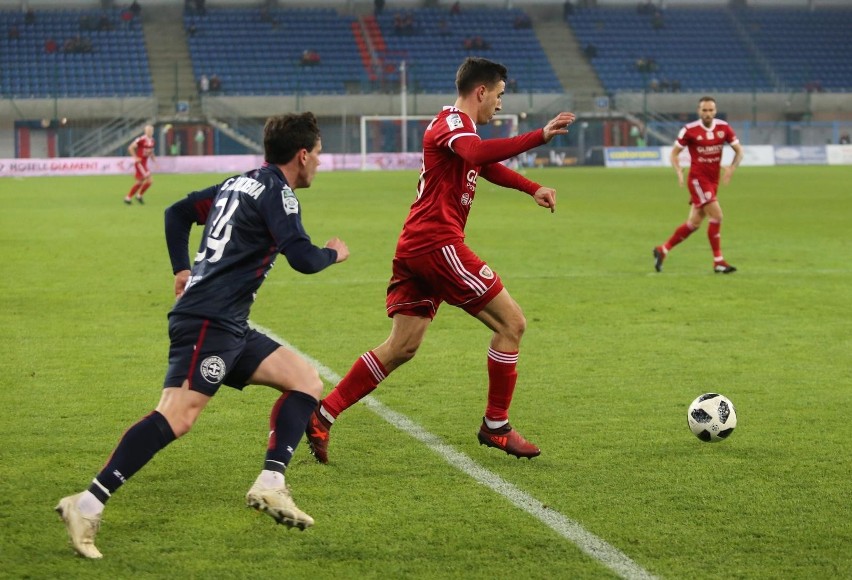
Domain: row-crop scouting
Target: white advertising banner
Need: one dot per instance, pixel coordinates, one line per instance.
(839, 154)
(224, 164)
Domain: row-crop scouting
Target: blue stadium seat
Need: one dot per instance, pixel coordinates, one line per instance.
(71, 75)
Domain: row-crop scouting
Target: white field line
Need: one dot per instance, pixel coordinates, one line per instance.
(608, 555)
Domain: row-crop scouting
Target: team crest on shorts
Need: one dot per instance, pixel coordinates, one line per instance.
(213, 369)
(486, 272)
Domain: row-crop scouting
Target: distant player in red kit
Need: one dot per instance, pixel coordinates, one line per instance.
(142, 149)
(705, 140)
(432, 263)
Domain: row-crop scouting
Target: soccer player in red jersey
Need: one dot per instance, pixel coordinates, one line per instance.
(141, 149)
(705, 139)
(433, 264)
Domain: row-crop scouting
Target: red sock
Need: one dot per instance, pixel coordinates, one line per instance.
(364, 376)
(144, 189)
(684, 231)
(502, 376)
(133, 190)
(715, 238)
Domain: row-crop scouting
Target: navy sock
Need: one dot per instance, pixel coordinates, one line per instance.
(287, 422)
(136, 448)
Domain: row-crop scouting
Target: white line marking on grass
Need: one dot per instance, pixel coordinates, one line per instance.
(606, 554)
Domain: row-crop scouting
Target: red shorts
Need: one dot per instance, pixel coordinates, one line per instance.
(702, 191)
(142, 170)
(452, 274)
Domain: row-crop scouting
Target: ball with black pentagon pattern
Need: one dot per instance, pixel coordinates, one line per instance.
(712, 417)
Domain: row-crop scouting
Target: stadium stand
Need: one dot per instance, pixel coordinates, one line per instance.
(700, 49)
(256, 52)
(807, 49)
(432, 52)
(435, 45)
(97, 54)
(718, 49)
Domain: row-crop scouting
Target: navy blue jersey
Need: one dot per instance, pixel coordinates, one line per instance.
(248, 220)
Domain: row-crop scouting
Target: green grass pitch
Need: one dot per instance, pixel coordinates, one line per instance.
(613, 355)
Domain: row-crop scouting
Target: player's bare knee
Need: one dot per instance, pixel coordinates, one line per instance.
(515, 329)
(403, 353)
(181, 423)
(312, 384)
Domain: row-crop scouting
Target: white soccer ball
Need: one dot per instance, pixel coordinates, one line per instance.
(712, 417)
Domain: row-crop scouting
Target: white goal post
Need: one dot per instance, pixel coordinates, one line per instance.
(394, 141)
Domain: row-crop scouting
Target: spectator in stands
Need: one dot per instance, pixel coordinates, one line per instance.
(844, 139)
(215, 83)
(77, 45)
(455, 9)
(567, 9)
(512, 85)
(657, 20)
(403, 24)
(378, 7)
(476, 43)
(310, 58)
(50, 46)
(814, 86)
(645, 8)
(521, 22)
(204, 84)
(591, 51)
(654, 85)
(104, 23)
(192, 30)
(126, 18)
(201, 7)
(14, 33)
(29, 15)
(135, 8)
(675, 86)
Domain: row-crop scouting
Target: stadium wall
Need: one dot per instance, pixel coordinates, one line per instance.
(759, 155)
(768, 106)
(359, 5)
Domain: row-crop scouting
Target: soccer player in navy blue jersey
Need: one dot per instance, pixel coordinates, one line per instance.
(248, 220)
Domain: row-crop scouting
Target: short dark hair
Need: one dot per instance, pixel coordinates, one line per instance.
(479, 71)
(286, 135)
(702, 99)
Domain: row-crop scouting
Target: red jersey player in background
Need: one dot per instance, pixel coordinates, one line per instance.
(432, 264)
(141, 149)
(705, 139)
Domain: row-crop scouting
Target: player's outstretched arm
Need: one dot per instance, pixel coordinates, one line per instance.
(558, 125)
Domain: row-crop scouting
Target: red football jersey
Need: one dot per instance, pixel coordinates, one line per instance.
(144, 146)
(445, 189)
(705, 147)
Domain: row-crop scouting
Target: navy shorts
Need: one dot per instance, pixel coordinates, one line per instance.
(208, 356)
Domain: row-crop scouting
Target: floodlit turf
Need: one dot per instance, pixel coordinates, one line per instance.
(613, 355)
